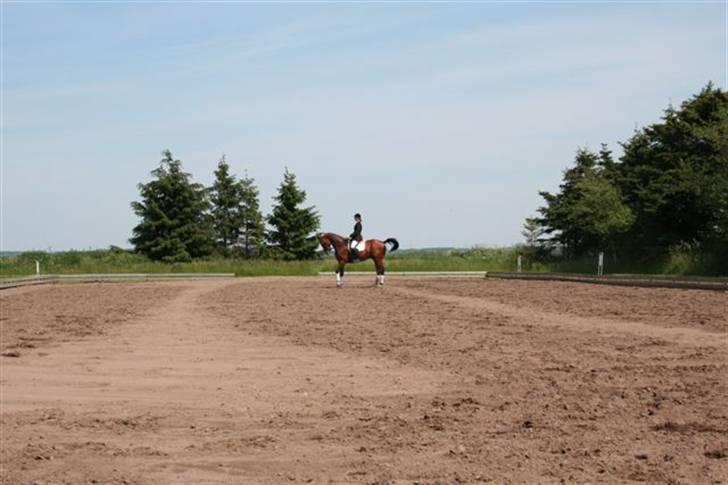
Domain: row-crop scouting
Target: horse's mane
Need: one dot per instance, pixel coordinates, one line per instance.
(334, 236)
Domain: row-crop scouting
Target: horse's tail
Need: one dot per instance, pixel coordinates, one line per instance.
(394, 244)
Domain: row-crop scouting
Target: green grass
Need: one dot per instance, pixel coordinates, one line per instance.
(87, 262)
(478, 259)
(682, 260)
(115, 261)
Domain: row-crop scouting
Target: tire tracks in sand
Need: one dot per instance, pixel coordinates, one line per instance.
(603, 326)
(182, 395)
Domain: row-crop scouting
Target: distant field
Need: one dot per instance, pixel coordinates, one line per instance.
(9, 254)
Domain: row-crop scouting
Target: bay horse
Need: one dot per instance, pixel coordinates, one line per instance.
(374, 249)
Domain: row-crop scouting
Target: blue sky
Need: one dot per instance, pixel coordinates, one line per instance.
(438, 122)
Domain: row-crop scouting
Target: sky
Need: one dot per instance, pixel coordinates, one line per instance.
(439, 122)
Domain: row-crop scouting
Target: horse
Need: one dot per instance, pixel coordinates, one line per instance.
(374, 249)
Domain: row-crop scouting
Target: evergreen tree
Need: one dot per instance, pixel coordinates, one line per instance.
(293, 227)
(532, 232)
(669, 189)
(588, 213)
(174, 223)
(558, 217)
(607, 166)
(536, 247)
(252, 227)
(602, 214)
(226, 199)
(674, 174)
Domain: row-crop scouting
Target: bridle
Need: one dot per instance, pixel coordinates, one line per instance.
(326, 243)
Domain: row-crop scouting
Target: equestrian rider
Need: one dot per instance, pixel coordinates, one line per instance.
(355, 237)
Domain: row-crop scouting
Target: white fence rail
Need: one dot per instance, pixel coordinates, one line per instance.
(657, 281)
(470, 274)
(654, 281)
(90, 278)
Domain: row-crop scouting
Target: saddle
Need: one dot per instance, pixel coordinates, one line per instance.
(359, 247)
(354, 252)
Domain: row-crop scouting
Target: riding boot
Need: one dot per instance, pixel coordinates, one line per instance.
(353, 254)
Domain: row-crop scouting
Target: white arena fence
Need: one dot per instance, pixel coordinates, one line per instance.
(649, 281)
(655, 281)
(93, 278)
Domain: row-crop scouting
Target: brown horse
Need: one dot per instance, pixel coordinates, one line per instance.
(374, 249)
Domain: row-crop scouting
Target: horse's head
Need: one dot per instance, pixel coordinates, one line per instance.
(326, 243)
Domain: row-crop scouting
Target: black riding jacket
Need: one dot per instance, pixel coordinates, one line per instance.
(356, 235)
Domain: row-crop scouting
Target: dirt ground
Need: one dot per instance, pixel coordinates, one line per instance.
(290, 380)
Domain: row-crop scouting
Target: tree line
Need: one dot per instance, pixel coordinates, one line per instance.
(668, 189)
(182, 220)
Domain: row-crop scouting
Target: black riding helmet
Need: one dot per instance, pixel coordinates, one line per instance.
(357, 216)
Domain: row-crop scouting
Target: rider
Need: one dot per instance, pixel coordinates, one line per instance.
(355, 237)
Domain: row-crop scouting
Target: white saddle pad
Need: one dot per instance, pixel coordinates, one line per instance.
(361, 246)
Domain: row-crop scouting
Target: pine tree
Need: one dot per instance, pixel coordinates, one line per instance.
(226, 199)
(558, 217)
(607, 166)
(293, 228)
(602, 214)
(174, 216)
(252, 227)
(669, 190)
(536, 248)
(588, 214)
(532, 232)
(674, 174)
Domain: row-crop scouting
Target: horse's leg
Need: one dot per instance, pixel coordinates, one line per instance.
(379, 263)
(340, 275)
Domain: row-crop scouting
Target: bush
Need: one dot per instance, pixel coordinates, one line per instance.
(694, 258)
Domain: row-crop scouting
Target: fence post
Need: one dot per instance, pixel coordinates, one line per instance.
(600, 266)
(519, 265)
(37, 267)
